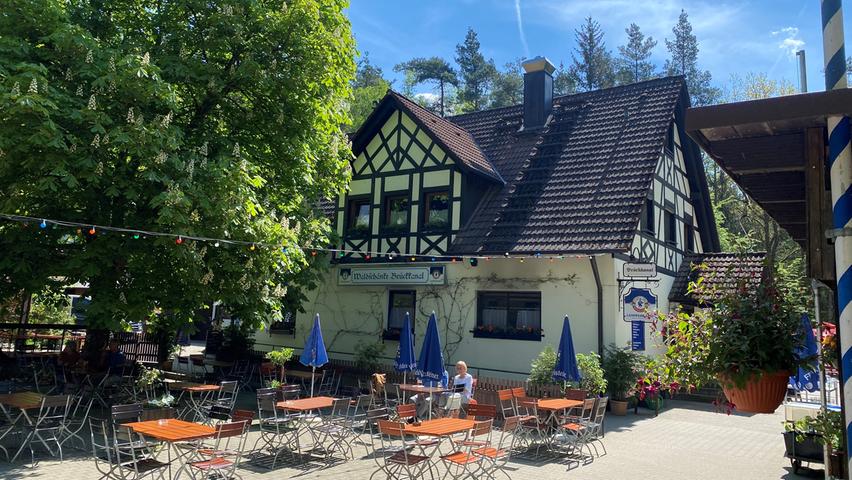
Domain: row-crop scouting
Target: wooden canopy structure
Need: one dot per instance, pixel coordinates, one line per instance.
(775, 150)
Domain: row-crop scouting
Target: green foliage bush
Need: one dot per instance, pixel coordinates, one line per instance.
(621, 370)
(368, 356)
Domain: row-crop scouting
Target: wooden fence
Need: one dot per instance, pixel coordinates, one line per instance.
(486, 387)
(138, 347)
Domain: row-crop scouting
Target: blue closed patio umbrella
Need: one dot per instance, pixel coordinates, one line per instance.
(806, 378)
(405, 361)
(430, 364)
(566, 361)
(314, 354)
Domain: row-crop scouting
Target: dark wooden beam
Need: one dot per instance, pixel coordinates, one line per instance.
(820, 254)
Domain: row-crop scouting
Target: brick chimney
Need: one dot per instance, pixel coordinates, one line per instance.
(538, 92)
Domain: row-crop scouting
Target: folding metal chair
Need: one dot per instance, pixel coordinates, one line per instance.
(577, 431)
(453, 406)
(507, 403)
(46, 426)
(596, 428)
(481, 411)
(358, 411)
(227, 395)
(406, 412)
(124, 437)
(335, 433)
(395, 457)
(279, 431)
(224, 456)
(291, 392)
(533, 428)
(116, 464)
(80, 407)
(462, 460)
(496, 457)
(268, 373)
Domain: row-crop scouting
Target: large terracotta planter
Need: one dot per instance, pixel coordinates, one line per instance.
(618, 407)
(760, 394)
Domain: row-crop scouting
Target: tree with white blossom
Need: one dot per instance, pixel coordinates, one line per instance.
(203, 118)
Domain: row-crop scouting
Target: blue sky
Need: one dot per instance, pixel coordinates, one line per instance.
(735, 37)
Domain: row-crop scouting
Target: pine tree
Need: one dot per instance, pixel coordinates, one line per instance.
(434, 69)
(633, 61)
(592, 70)
(684, 61)
(368, 88)
(508, 86)
(477, 73)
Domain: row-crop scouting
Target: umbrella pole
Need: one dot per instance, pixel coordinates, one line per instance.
(403, 377)
(313, 373)
(826, 453)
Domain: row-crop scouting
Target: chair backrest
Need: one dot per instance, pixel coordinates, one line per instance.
(391, 429)
(291, 392)
(266, 405)
(507, 403)
(576, 394)
(340, 407)
(527, 406)
(279, 395)
(481, 428)
(374, 415)
(219, 412)
(481, 410)
(363, 403)
(127, 413)
(231, 437)
(54, 410)
(588, 409)
(243, 416)
(228, 388)
(102, 443)
(406, 410)
(600, 410)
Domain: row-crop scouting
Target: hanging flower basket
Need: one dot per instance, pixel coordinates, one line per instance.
(761, 393)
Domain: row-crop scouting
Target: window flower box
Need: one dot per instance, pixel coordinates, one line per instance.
(529, 334)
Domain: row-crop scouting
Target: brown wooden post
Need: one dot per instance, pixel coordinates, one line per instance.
(820, 252)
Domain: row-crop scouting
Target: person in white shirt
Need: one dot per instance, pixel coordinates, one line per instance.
(463, 378)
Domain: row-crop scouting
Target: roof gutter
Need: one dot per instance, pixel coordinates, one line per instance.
(594, 263)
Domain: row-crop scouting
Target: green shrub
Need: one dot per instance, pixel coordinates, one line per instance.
(621, 368)
(367, 356)
(591, 374)
(541, 369)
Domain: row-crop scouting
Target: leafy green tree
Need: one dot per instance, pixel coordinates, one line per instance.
(203, 118)
(592, 67)
(508, 87)
(633, 62)
(683, 49)
(368, 88)
(434, 70)
(477, 74)
(564, 81)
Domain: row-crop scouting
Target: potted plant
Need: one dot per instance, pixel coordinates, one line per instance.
(745, 338)
(620, 368)
(805, 437)
(279, 358)
(591, 374)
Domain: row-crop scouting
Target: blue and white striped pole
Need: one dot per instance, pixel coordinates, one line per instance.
(840, 171)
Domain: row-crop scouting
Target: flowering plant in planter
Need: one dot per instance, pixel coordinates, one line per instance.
(742, 336)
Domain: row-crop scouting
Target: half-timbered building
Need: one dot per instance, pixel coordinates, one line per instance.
(503, 221)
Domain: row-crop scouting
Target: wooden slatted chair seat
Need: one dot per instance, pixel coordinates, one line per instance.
(404, 458)
(460, 458)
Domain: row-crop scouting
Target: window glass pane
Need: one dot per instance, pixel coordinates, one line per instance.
(397, 212)
(362, 219)
(400, 303)
(437, 209)
(649, 215)
(525, 311)
(671, 222)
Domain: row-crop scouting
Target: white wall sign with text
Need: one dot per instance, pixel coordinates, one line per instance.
(640, 270)
(358, 275)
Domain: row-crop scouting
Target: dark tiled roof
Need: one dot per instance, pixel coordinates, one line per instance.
(577, 185)
(458, 141)
(722, 273)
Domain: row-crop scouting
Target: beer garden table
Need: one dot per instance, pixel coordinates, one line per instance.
(22, 401)
(172, 431)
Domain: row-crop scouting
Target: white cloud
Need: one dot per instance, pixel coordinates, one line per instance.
(790, 43)
(427, 97)
(521, 28)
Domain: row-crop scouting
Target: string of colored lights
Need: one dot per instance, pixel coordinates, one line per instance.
(179, 238)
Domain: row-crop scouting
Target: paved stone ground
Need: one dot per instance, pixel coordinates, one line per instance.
(687, 440)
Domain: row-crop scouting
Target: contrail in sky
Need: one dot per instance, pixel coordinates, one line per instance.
(521, 28)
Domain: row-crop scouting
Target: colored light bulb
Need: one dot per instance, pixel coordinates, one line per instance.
(179, 240)
(43, 224)
(92, 231)
(135, 236)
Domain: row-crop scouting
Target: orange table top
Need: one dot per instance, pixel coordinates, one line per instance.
(558, 404)
(202, 388)
(421, 389)
(172, 430)
(306, 404)
(440, 427)
(22, 400)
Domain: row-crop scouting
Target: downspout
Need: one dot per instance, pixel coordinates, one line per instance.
(594, 263)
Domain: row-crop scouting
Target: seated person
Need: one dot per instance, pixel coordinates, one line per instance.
(424, 401)
(69, 357)
(113, 362)
(462, 384)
